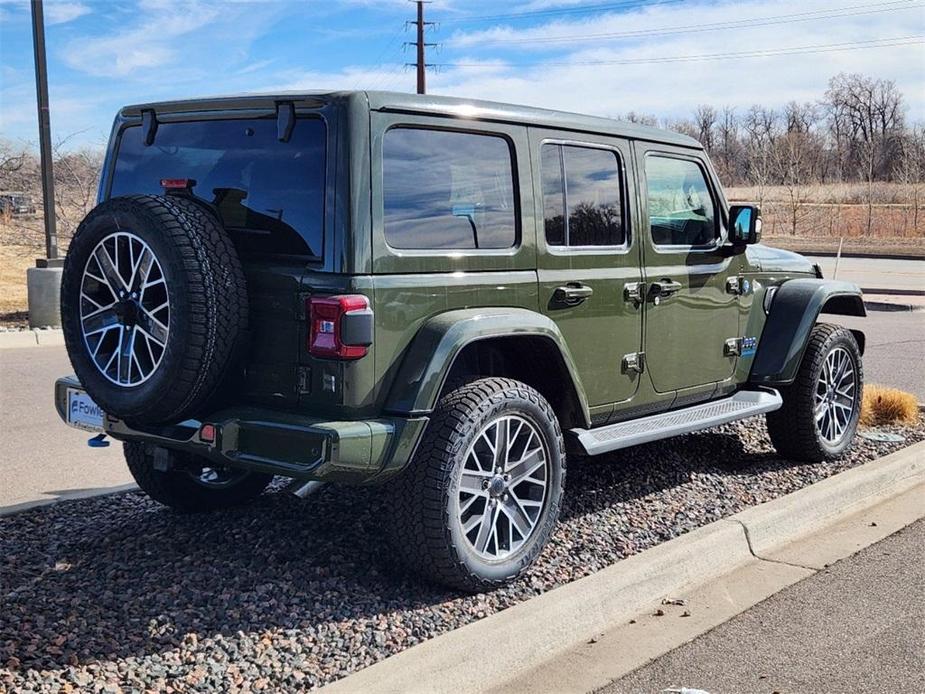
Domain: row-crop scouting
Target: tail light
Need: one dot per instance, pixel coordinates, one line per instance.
(340, 327)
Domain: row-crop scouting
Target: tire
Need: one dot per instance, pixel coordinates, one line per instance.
(200, 323)
(794, 429)
(430, 507)
(175, 479)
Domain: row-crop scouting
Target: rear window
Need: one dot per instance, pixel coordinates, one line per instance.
(270, 194)
(444, 189)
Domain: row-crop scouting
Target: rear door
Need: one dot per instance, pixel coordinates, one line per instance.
(588, 259)
(690, 309)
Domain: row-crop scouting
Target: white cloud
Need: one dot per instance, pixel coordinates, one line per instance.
(63, 12)
(550, 74)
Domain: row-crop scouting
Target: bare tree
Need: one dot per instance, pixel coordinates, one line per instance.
(761, 132)
(910, 168)
(868, 116)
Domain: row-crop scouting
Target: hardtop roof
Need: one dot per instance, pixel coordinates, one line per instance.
(432, 104)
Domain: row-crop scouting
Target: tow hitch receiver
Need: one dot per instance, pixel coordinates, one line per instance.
(98, 441)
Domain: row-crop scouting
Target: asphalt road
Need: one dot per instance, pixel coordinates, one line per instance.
(41, 458)
(874, 273)
(858, 626)
(895, 353)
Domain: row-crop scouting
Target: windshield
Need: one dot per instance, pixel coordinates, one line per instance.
(269, 194)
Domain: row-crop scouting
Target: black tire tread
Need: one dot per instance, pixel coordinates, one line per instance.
(175, 489)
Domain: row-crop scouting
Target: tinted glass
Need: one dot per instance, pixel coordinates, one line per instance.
(553, 195)
(595, 211)
(681, 210)
(270, 194)
(445, 189)
(591, 196)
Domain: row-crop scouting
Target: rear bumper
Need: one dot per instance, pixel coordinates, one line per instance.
(281, 443)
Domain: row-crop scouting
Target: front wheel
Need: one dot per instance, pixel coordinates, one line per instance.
(481, 496)
(190, 483)
(819, 417)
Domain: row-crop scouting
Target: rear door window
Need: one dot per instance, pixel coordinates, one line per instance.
(269, 194)
(582, 196)
(446, 189)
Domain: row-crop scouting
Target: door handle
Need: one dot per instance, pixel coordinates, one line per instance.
(572, 294)
(663, 289)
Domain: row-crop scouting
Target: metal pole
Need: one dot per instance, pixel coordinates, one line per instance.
(41, 91)
(422, 86)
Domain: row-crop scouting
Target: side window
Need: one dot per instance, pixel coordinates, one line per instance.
(681, 210)
(447, 190)
(582, 196)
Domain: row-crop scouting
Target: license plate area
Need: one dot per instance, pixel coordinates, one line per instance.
(82, 412)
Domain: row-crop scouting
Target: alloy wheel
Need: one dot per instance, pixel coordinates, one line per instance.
(124, 309)
(502, 487)
(836, 395)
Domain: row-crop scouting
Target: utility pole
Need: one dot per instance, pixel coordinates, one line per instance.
(41, 92)
(43, 282)
(421, 45)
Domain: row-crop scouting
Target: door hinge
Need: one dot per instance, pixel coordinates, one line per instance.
(634, 362)
(634, 292)
(732, 347)
(738, 286)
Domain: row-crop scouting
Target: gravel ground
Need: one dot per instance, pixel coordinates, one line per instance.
(116, 593)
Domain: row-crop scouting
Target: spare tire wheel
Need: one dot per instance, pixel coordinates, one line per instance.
(153, 306)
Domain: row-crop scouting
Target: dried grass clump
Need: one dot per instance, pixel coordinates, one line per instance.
(882, 405)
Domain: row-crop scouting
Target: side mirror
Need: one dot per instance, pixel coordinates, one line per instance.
(744, 224)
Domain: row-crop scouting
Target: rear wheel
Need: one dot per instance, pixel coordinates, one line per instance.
(190, 483)
(819, 417)
(482, 494)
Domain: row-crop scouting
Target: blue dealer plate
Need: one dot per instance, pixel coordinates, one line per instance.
(82, 412)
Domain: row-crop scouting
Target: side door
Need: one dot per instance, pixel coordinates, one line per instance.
(691, 307)
(588, 259)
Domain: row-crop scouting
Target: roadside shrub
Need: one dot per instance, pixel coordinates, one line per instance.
(882, 405)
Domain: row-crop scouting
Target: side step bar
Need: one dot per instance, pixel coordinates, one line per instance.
(745, 403)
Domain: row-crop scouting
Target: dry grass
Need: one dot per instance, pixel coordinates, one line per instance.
(832, 193)
(14, 260)
(882, 405)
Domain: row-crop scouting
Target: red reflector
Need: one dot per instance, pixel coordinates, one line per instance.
(324, 335)
(207, 433)
(177, 183)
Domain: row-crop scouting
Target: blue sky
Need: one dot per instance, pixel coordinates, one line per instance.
(592, 56)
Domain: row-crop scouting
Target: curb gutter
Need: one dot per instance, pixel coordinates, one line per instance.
(523, 637)
(31, 338)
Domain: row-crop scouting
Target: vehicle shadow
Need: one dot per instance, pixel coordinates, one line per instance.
(120, 577)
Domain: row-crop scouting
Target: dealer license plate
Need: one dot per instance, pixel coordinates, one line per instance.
(82, 412)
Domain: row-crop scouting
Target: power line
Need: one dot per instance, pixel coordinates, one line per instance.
(814, 15)
(817, 48)
(629, 4)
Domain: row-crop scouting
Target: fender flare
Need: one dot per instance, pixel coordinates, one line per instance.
(794, 310)
(433, 351)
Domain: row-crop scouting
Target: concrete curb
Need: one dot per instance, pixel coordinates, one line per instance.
(888, 306)
(67, 496)
(523, 637)
(35, 337)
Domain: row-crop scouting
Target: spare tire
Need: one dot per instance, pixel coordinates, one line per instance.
(153, 306)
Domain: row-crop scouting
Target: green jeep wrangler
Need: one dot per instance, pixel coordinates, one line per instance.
(445, 296)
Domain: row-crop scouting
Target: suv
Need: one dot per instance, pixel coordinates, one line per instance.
(447, 296)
